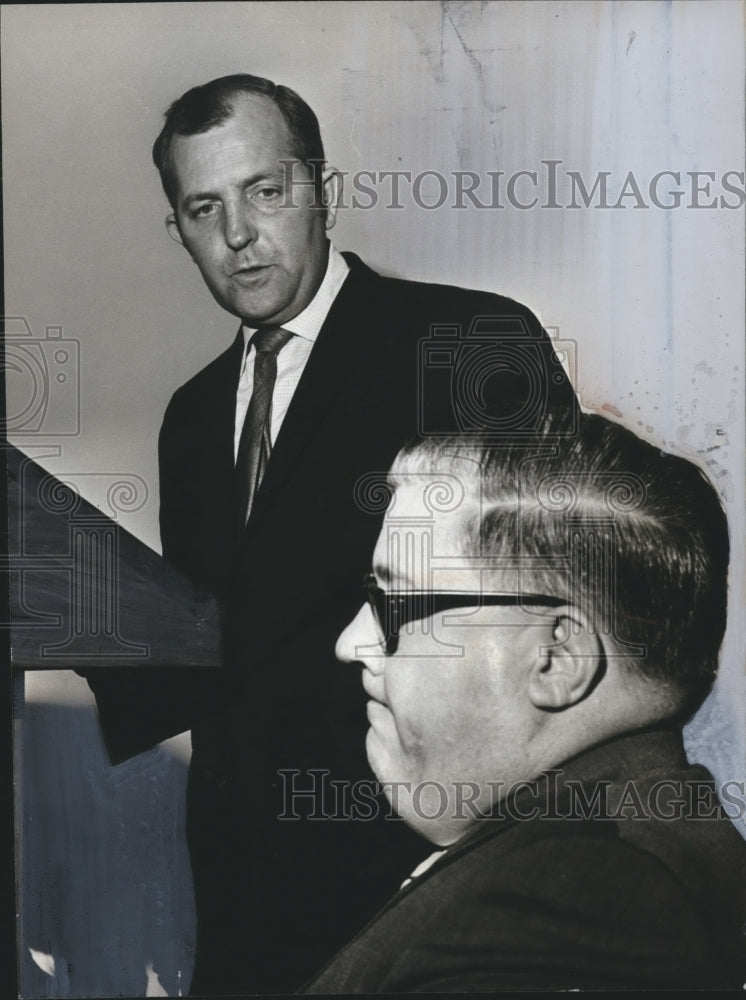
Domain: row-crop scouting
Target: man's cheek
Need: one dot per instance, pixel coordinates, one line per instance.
(409, 717)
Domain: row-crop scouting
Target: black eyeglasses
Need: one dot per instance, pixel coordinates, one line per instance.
(393, 609)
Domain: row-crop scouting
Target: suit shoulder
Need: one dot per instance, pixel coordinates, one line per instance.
(600, 863)
(397, 293)
(476, 301)
(585, 906)
(684, 825)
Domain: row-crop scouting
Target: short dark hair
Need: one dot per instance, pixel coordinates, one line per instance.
(211, 104)
(548, 508)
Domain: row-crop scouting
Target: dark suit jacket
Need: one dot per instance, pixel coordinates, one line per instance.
(276, 897)
(653, 895)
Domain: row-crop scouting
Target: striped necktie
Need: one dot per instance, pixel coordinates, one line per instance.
(255, 443)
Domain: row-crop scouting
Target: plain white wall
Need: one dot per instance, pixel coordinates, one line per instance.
(653, 298)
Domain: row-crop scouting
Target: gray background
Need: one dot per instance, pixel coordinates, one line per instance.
(652, 298)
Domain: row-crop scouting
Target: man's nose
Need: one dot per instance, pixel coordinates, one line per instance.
(240, 229)
(360, 640)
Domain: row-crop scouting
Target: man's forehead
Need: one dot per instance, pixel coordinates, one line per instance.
(260, 111)
(255, 126)
(444, 500)
(427, 528)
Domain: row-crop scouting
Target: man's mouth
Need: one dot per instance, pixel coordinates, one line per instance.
(375, 710)
(373, 687)
(249, 271)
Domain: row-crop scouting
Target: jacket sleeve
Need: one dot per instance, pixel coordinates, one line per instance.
(140, 707)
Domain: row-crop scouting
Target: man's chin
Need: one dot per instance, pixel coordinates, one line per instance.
(256, 310)
(384, 767)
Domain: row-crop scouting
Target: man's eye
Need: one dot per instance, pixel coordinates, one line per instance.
(201, 211)
(267, 193)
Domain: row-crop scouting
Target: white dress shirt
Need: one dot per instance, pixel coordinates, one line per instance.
(293, 357)
(423, 866)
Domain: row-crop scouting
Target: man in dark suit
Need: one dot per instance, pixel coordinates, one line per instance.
(266, 457)
(530, 655)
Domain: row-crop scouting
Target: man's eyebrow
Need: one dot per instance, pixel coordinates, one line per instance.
(262, 175)
(386, 578)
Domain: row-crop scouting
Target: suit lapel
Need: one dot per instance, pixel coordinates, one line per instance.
(337, 348)
(220, 408)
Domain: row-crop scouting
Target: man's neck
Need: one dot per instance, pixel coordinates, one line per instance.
(308, 322)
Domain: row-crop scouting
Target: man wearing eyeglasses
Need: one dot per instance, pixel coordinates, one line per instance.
(540, 621)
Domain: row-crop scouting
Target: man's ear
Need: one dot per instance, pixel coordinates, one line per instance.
(568, 671)
(331, 193)
(172, 227)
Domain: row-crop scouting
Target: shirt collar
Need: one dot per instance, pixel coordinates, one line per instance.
(307, 324)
